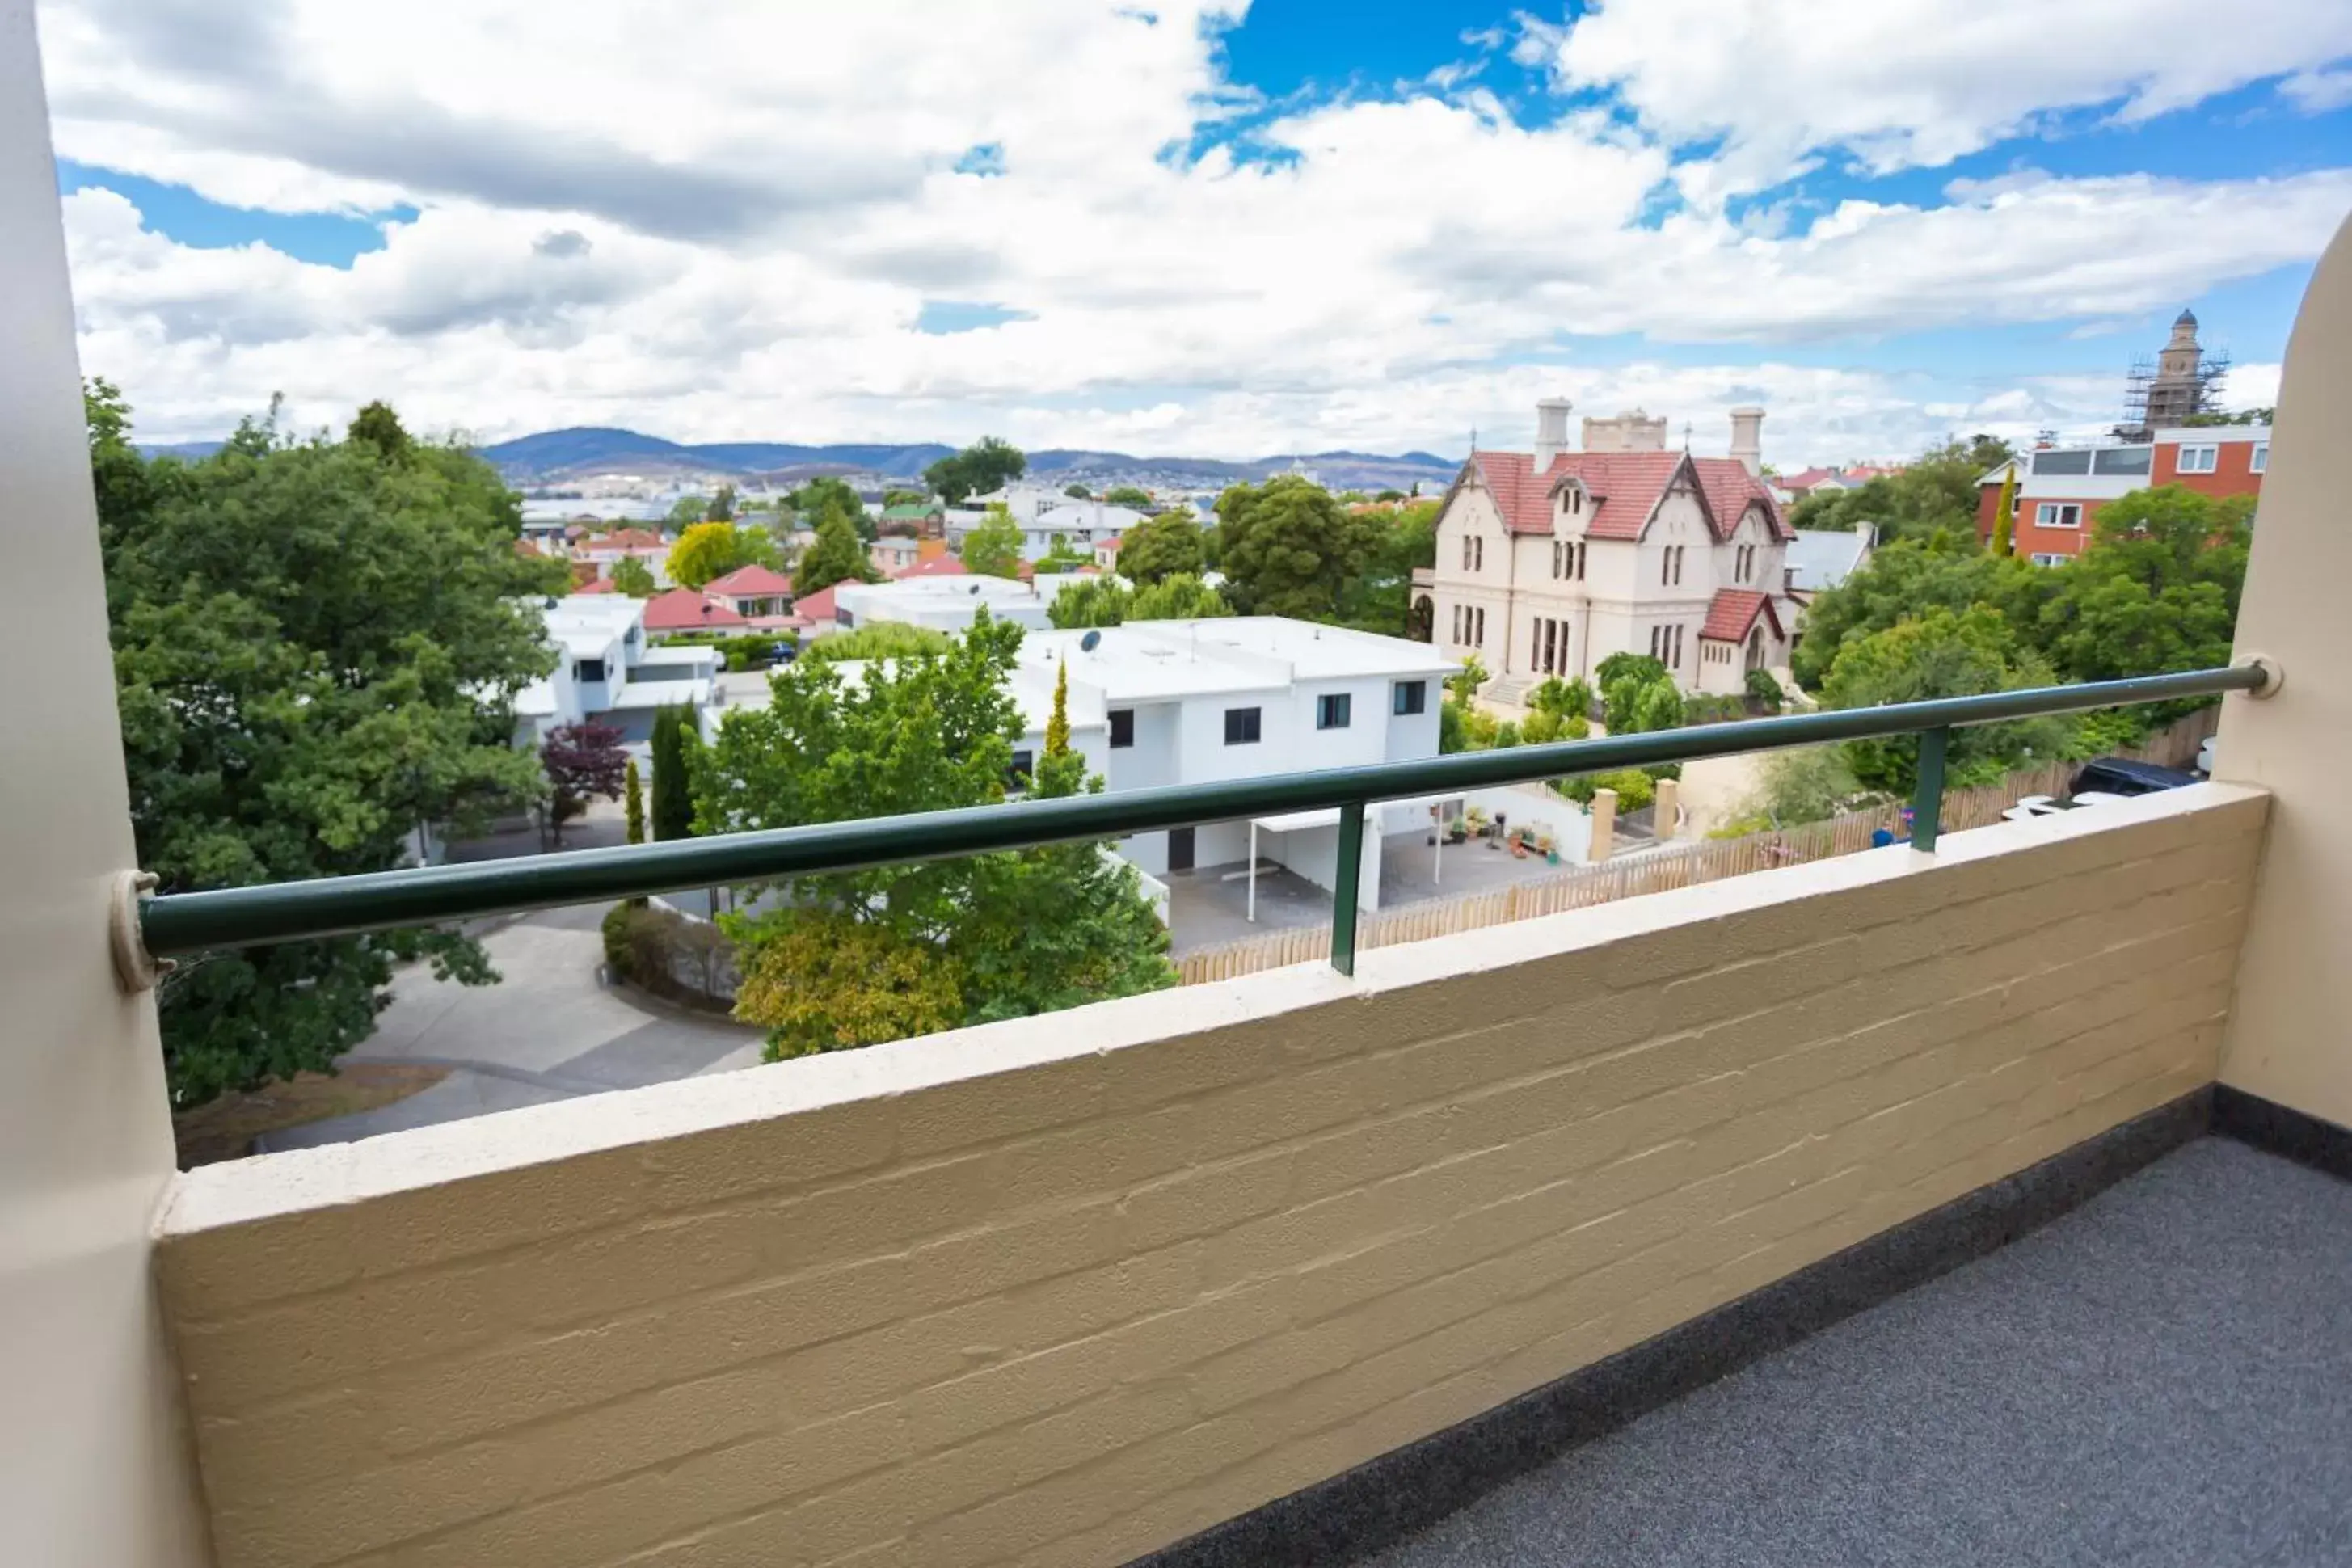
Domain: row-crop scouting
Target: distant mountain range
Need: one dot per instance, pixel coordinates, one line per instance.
(553, 457)
(557, 457)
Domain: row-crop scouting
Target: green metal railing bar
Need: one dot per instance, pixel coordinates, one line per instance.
(173, 924)
(1927, 799)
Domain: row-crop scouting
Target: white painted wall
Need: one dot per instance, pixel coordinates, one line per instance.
(94, 1465)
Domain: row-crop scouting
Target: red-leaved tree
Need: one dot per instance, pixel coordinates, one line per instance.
(582, 760)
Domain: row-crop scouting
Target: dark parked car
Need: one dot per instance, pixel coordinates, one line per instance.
(2121, 775)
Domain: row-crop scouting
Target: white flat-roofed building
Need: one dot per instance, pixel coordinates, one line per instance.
(1201, 701)
(947, 603)
(606, 672)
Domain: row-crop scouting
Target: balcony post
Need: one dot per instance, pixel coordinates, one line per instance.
(1344, 891)
(1927, 805)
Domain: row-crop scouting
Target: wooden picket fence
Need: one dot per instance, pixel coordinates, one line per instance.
(1664, 868)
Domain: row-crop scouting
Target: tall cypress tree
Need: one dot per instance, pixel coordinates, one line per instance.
(673, 791)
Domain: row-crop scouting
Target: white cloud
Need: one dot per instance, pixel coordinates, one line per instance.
(1904, 83)
(753, 208)
(2317, 92)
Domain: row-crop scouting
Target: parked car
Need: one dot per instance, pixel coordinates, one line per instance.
(2122, 776)
(2099, 782)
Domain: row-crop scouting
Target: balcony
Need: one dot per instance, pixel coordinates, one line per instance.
(1858, 1210)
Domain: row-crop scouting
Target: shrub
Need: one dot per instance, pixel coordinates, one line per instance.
(1633, 787)
(1767, 691)
(1541, 728)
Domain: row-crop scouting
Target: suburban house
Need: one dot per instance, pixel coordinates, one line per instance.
(1198, 701)
(759, 595)
(938, 563)
(1047, 518)
(685, 610)
(1548, 563)
(893, 554)
(2061, 489)
(606, 551)
(607, 670)
(1822, 558)
(1107, 551)
(927, 518)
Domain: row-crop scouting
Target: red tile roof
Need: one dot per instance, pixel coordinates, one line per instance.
(598, 585)
(1735, 610)
(1626, 488)
(1806, 478)
(935, 566)
(750, 581)
(816, 608)
(684, 610)
(627, 539)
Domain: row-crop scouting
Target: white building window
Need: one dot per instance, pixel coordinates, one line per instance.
(2044, 558)
(1410, 696)
(2200, 459)
(2260, 462)
(2058, 515)
(587, 670)
(1242, 726)
(1333, 710)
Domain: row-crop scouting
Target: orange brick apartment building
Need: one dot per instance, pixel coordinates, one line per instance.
(2061, 489)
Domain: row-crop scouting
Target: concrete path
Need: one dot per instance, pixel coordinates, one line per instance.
(550, 1029)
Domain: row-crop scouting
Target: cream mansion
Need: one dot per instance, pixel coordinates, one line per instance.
(1548, 563)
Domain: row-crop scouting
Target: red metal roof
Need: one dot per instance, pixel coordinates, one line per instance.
(750, 581)
(598, 585)
(1625, 487)
(684, 610)
(1734, 610)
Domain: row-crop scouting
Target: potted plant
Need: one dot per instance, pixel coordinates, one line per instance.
(1548, 848)
(1478, 820)
(1457, 831)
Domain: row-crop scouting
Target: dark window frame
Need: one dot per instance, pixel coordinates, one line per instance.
(1245, 726)
(1122, 724)
(1335, 710)
(1410, 696)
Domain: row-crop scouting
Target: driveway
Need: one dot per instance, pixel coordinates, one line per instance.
(550, 1029)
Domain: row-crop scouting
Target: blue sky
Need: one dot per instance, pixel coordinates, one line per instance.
(1377, 224)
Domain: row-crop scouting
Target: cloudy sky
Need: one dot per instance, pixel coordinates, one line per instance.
(1182, 227)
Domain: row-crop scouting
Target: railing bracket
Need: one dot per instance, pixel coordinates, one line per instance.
(2273, 675)
(136, 969)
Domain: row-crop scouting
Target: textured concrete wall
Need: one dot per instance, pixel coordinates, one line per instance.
(2289, 1041)
(1064, 1290)
(94, 1462)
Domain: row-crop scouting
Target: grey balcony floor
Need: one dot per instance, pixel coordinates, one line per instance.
(2163, 1377)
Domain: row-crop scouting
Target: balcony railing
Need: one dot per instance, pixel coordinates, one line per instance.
(178, 924)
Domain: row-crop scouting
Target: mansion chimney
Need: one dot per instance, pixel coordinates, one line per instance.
(1748, 438)
(1551, 431)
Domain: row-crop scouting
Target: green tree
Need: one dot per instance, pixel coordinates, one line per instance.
(2157, 590)
(986, 466)
(377, 426)
(1908, 578)
(1381, 599)
(2004, 516)
(1178, 598)
(673, 757)
(1017, 933)
(877, 640)
(826, 494)
(634, 577)
(835, 557)
(1077, 492)
(2243, 416)
(633, 802)
(1160, 547)
(722, 505)
(1064, 557)
(711, 549)
(1128, 496)
(1566, 699)
(688, 511)
(1290, 549)
(896, 495)
(1943, 653)
(317, 649)
(1935, 492)
(993, 549)
(1090, 601)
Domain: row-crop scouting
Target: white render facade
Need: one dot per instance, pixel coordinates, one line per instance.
(1548, 564)
(605, 671)
(1202, 702)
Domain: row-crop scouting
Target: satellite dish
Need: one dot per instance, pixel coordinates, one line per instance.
(1088, 643)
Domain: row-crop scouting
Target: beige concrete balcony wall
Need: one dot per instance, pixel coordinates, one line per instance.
(1062, 1290)
(94, 1462)
(2290, 1041)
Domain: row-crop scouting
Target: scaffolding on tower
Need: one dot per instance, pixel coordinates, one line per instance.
(2153, 401)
